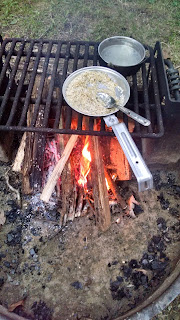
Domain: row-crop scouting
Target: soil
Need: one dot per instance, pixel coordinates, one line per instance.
(78, 272)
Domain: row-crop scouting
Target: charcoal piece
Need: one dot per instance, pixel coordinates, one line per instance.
(137, 209)
(161, 223)
(13, 204)
(174, 212)
(120, 279)
(77, 285)
(171, 178)
(133, 264)
(138, 278)
(114, 262)
(157, 180)
(14, 237)
(11, 215)
(155, 281)
(156, 239)
(163, 255)
(164, 202)
(114, 285)
(126, 271)
(145, 263)
(20, 311)
(119, 294)
(7, 264)
(145, 256)
(2, 255)
(41, 311)
(176, 190)
(156, 244)
(159, 265)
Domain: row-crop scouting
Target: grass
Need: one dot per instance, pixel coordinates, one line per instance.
(144, 20)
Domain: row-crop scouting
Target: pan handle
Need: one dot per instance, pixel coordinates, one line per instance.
(140, 169)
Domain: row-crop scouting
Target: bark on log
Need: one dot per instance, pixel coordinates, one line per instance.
(35, 144)
(100, 193)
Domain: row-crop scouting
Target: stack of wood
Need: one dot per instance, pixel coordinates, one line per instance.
(107, 158)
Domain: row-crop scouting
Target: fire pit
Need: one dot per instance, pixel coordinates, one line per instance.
(57, 262)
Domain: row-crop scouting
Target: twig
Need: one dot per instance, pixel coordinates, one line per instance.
(16, 191)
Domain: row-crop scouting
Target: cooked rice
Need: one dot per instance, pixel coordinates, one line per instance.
(81, 93)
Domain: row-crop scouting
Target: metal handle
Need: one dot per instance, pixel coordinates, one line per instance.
(135, 116)
(141, 171)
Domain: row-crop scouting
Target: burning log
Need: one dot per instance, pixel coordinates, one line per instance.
(115, 190)
(48, 189)
(100, 193)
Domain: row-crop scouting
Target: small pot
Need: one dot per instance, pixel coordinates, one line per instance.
(123, 54)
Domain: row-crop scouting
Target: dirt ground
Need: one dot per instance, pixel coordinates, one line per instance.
(77, 272)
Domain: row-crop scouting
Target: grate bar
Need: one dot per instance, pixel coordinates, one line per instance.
(40, 89)
(156, 93)
(20, 86)
(136, 104)
(50, 93)
(146, 97)
(30, 87)
(6, 64)
(11, 80)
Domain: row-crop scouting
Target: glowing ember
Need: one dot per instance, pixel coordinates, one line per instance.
(107, 185)
(85, 165)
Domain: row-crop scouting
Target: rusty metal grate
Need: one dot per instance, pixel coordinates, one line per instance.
(22, 61)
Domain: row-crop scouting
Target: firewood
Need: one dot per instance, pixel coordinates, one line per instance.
(115, 190)
(79, 203)
(32, 166)
(68, 194)
(100, 193)
(49, 187)
(17, 165)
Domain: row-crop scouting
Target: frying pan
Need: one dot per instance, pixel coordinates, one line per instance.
(141, 171)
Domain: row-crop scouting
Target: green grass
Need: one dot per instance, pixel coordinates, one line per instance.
(144, 20)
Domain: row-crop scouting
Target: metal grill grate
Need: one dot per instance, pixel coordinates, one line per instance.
(22, 61)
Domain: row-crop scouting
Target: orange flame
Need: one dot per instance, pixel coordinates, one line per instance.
(85, 165)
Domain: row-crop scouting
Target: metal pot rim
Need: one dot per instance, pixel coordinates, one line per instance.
(128, 40)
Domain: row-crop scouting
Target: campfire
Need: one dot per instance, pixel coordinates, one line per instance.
(79, 171)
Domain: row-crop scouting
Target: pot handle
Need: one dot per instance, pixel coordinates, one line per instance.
(140, 169)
